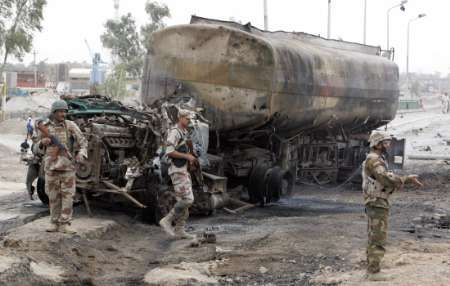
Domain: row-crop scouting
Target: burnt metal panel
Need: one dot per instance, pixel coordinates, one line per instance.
(246, 78)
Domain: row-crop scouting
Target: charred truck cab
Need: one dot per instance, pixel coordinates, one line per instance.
(283, 107)
(125, 162)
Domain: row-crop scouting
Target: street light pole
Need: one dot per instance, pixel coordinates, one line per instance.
(407, 48)
(35, 68)
(407, 43)
(329, 19)
(365, 21)
(402, 7)
(266, 18)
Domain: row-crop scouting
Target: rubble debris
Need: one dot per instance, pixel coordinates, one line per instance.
(424, 148)
(428, 157)
(35, 231)
(205, 237)
(240, 206)
(437, 220)
(6, 262)
(182, 274)
(263, 270)
(48, 271)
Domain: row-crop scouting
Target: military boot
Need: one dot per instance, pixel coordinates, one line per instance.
(65, 228)
(180, 233)
(180, 223)
(52, 228)
(166, 223)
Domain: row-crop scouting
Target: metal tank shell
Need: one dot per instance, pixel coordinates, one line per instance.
(246, 78)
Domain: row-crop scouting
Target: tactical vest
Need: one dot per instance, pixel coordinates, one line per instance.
(372, 189)
(62, 162)
(181, 147)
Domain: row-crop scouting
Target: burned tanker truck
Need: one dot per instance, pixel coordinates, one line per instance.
(282, 107)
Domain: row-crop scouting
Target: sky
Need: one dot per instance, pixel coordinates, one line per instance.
(68, 23)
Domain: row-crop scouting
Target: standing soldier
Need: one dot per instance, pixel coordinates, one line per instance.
(56, 138)
(378, 185)
(178, 153)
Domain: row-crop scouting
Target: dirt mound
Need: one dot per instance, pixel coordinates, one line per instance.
(37, 103)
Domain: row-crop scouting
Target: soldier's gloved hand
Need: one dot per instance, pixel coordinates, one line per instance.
(415, 180)
(80, 158)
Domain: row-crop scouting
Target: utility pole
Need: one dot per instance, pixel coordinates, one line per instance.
(266, 17)
(407, 45)
(35, 68)
(116, 10)
(365, 21)
(329, 19)
(402, 8)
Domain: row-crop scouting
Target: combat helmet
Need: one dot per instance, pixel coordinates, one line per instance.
(59, 105)
(377, 137)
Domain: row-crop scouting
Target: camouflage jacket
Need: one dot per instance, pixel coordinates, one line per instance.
(378, 182)
(65, 132)
(175, 138)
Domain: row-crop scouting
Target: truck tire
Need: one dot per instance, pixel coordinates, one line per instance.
(257, 187)
(40, 186)
(158, 204)
(280, 183)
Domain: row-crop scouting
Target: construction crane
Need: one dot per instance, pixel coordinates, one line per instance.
(116, 9)
(97, 76)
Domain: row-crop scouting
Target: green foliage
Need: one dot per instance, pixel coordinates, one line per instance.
(115, 83)
(157, 13)
(19, 19)
(123, 39)
(5, 13)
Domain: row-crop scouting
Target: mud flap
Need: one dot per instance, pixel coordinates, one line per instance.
(396, 157)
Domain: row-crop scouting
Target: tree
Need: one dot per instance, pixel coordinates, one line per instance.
(123, 39)
(19, 19)
(157, 13)
(114, 85)
(5, 11)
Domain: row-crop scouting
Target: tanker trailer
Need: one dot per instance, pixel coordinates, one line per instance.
(283, 106)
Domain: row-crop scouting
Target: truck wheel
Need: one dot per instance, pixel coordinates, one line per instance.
(280, 183)
(257, 185)
(40, 186)
(158, 205)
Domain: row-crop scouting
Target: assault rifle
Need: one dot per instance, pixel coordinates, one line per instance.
(53, 140)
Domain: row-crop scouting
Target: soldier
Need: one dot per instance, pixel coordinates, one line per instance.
(177, 151)
(378, 185)
(59, 164)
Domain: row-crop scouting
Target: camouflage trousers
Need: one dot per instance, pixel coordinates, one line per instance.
(182, 185)
(60, 189)
(377, 226)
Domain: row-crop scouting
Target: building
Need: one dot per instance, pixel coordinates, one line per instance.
(79, 79)
(26, 79)
(62, 72)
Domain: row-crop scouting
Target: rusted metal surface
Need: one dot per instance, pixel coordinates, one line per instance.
(246, 78)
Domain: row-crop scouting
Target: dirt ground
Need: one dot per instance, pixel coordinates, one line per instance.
(315, 237)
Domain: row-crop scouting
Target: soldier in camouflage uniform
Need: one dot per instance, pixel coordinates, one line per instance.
(177, 151)
(378, 185)
(59, 166)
